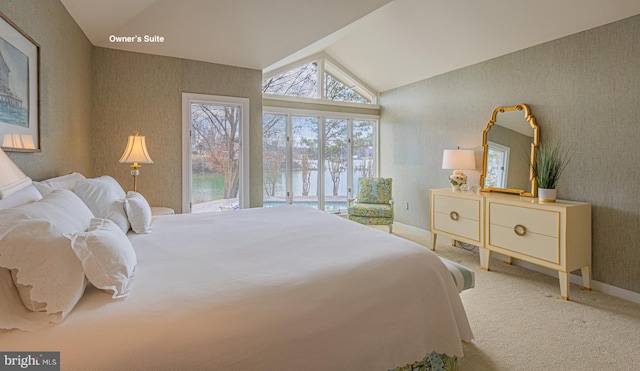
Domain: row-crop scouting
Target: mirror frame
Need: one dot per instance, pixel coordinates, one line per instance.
(536, 142)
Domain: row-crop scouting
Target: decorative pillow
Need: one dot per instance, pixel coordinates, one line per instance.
(105, 198)
(62, 208)
(47, 274)
(13, 314)
(62, 182)
(107, 256)
(138, 212)
(25, 294)
(23, 196)
(42, 188)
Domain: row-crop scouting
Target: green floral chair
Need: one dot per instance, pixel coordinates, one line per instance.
(374, 204)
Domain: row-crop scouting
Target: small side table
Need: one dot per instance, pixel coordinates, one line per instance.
(157, 210)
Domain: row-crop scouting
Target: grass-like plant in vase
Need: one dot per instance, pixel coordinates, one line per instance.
(550, 162)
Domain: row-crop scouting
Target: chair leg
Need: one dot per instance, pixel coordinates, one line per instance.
(390, 228)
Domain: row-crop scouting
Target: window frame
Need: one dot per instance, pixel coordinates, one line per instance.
(323, 116)
(326, 63)
(243, 103)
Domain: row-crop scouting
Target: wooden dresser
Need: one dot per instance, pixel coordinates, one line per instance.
(553, 235)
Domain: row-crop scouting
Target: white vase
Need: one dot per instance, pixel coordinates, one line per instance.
(546, 195)
(457, 180)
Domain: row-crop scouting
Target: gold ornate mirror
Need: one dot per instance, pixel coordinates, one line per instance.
(509, 145)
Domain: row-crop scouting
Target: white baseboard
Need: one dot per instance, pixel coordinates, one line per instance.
(618, 292)
(576, 279)
(413, 229)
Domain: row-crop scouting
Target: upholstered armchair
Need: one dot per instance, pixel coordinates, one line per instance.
(374, 203)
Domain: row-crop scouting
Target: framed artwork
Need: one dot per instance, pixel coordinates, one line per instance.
(19, 89)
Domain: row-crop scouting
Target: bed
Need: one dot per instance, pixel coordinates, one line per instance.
(283, 288)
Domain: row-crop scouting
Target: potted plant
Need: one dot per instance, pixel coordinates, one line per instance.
(549, 164)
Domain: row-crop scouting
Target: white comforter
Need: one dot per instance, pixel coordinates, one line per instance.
(285, 288)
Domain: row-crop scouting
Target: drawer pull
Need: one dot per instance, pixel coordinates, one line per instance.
(454, 215)
(520, 230)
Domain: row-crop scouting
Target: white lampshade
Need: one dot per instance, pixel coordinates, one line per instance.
(12, 179)
(11, 141)
(27, 141)
(136, 151)
(22, 141)
(458, 159)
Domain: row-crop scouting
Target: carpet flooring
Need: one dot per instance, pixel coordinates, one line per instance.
(520, 323)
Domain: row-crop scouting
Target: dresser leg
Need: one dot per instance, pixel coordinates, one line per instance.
(564, 285)
(485, 257)
(433, 241)
(586, 277)
(453, 242)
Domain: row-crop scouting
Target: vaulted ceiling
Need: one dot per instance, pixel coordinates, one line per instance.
(386, 43)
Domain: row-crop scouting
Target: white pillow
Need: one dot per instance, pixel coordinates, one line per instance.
(107, 256)
(62, 182)
(47, 274)
(13, 314)
(25, 294)
(138, 212)
(62, 208)
(105, 198)
(23, 196)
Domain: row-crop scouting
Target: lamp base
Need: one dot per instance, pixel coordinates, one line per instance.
(457, 180)
(135, 171)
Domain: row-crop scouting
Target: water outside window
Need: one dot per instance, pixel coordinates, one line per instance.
(336, 160)
(291, 168)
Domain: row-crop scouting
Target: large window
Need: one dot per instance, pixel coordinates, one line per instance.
(301, 82)
(316, 159)
(318, 78)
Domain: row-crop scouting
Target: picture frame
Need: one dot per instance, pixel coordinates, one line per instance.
(19, 89)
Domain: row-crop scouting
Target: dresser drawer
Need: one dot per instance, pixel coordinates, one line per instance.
(524, 230)
(457, 216)
(465, 208)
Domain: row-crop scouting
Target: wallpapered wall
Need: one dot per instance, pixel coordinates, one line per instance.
(134, 91)
(65, 89)
(584, 91)
(93, 98)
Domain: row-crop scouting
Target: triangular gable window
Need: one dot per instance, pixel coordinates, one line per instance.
(335, 90)
(303, 81)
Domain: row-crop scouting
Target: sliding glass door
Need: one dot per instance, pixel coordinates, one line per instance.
(336, 161)
(364, 152)
(315, 160)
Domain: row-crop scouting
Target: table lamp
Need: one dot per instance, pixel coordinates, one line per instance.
(12, 179)
(458, 160)
(136, 154)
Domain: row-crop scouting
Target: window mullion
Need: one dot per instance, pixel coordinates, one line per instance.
(321, 78)
(321, 162)
(350, 169)
(289, 160)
